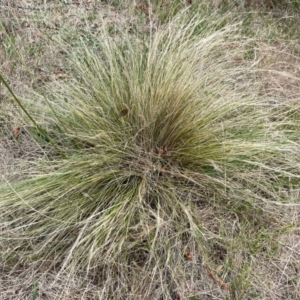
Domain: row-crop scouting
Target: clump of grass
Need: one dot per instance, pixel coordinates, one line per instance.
(154, 149)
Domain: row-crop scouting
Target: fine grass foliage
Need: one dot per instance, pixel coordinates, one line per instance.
(154, 149)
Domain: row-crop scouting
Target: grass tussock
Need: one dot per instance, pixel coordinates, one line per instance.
(154, 150)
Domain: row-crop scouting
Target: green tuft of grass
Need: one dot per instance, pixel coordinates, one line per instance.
(153, 148)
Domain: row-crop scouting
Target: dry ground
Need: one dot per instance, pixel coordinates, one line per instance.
(27, 26)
